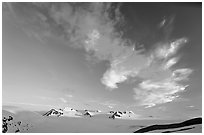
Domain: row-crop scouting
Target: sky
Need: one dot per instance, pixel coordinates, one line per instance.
(144, 57)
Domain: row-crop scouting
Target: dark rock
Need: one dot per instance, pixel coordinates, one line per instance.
(111, 111)
(5, 128)
(88, 114)
(113, 117)
(120, 112)
(19, 122)
(17, 131)
(4, 119)
(10, 118)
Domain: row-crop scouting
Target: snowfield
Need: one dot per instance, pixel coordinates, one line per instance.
(77, 121)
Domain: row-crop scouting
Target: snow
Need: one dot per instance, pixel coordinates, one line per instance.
(34, 122)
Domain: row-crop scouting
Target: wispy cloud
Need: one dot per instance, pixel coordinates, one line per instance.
(92, 26)
(123, 67)
(80, 24)
(63, 100)
(162, 84)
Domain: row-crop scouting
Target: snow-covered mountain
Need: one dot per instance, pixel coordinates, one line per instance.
(122, 115)
(67, 111)
(54, 112)
(70, 112)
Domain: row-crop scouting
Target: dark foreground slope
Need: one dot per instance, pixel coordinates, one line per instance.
(190, 122)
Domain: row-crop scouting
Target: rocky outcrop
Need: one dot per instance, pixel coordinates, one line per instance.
(87, 113)
(54, 112)
(115, 115)
(119, 114)
(11, 126)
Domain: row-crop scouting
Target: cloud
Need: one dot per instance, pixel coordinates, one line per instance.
(166, 50)
(123, 67)
(181, 74)
(161, 84)
(69, 95)
(110, 106)
(112, 77)
(63, 100)
(171, 62)
(89, 25)
(133, 63)
(151, 93)
(77, 23)
(93, 27)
